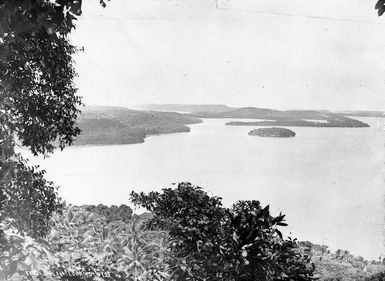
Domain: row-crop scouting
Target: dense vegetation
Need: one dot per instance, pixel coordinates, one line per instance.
(272, 132)
(85, 245)
(119, 125)
(341, 265)
(188, 236)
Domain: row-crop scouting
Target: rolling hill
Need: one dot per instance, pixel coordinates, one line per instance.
(187, 108)
(363, 113)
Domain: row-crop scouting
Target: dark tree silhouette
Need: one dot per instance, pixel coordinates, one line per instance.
(38, 104)
(380, 7)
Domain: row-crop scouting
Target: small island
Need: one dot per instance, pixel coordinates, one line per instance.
(274, 132)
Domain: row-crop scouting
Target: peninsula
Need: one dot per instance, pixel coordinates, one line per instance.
(107, 125)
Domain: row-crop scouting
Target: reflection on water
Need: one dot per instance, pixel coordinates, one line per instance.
(327, 180)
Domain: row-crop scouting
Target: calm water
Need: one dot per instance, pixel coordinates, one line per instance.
(329, 181)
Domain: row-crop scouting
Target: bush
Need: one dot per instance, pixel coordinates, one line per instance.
(210, 242)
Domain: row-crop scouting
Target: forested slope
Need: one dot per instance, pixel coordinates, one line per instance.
(103, 125)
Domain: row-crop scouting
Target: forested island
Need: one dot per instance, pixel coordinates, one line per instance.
(271, 117)
(274, 132)
(105, 125)
(300, 118)
(348, 123)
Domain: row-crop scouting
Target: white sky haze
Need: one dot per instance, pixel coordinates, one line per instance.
(303, 54)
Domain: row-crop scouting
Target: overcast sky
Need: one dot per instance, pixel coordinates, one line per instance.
(314, 54)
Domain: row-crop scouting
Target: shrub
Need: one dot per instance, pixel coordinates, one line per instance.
(210, 242)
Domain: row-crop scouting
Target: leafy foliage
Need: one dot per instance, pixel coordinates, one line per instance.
(30, 199)
(266, 254)
(210, 242)
(38, 107)
(37, 91)
(380, 7)
(84, 245)
(22, 257)
(38, 103)
(90, 243)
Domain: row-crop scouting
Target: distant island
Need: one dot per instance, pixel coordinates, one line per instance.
(107, 125)
(300, 118)
(274, 132)
(348, 123)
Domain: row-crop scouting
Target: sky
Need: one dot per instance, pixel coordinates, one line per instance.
(297, 54)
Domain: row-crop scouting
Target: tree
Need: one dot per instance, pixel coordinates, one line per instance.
(38, 107)
(210, 242)
(380, 7)
(38, 104)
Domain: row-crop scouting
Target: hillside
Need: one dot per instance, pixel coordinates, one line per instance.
(103, 125)
(188, 108)
(302, 118)
(362, 113)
